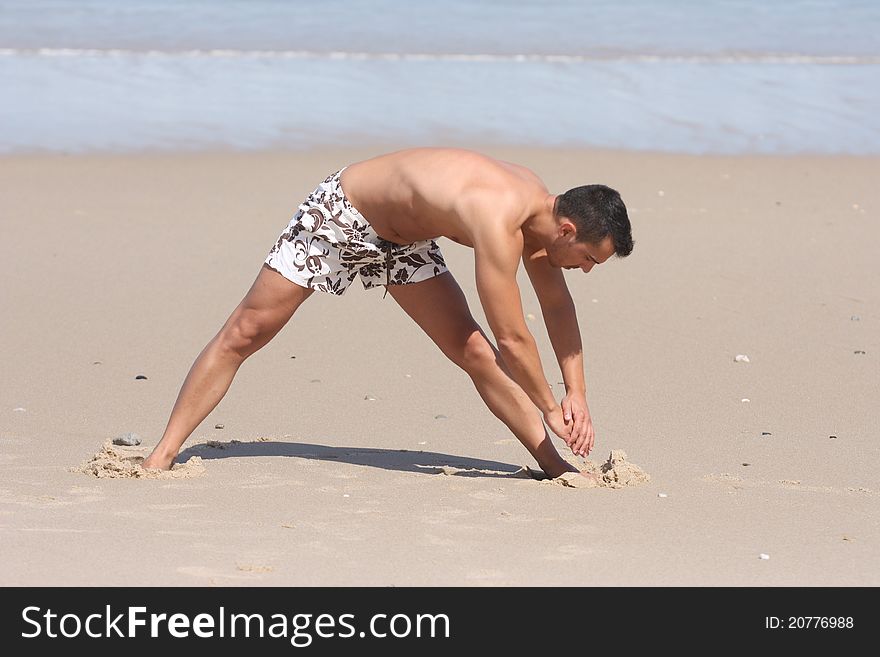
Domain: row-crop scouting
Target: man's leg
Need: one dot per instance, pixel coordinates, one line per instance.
(438, 306)
(265, 309)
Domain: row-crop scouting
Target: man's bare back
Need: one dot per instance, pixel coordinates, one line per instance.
(425, 193)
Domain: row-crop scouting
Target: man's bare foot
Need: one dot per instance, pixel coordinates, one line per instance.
(590, 477)
(560, 468)
(157, 462)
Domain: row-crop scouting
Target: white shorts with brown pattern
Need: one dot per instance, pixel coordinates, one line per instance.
(328, 242)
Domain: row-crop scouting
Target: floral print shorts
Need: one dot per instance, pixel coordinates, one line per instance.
(328, 242)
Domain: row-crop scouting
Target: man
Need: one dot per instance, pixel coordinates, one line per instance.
(382, 227)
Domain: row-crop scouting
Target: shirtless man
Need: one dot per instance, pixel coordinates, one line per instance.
(382, 227)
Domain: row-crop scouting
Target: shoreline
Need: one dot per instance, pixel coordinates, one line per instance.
(370, 148)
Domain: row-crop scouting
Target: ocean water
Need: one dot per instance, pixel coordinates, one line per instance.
(722, 76)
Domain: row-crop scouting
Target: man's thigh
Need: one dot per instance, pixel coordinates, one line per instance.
(440, 308)
(271, 300)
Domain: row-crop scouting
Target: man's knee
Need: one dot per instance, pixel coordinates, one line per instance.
(245, 332)
(476, 354)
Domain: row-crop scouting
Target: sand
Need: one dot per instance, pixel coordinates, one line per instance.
(122, 462)
(115, 462)
(349, 451)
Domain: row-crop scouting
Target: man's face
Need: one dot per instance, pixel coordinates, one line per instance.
(566, 252)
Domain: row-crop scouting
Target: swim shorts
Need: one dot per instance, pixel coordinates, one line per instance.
(328, 242)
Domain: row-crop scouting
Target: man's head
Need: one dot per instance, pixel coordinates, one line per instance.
(592, 225)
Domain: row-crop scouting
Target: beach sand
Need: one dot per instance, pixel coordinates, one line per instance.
(352, 453)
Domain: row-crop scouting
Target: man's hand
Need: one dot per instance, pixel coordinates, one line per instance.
(576, 415)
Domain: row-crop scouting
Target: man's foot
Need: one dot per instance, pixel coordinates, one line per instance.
(593, 479)
(157, 462)
(562, 466)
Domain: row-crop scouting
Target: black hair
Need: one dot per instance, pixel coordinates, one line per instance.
(597, 211)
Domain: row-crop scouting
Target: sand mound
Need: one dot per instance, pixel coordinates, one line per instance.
(616, 472)
(115, 462)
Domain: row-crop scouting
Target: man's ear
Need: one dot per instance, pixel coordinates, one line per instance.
(566, 228)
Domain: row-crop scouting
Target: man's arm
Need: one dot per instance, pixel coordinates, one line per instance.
(560, 318)
(497, 251)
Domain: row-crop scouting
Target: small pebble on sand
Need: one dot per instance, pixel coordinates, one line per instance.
(745, 400)
(858, 351)
(369, 398)
(855, 318)
(662, 495)
(763, 556)
(218, 426)
(741, 358)
(19, 410)
(766, 433)
(746, 464)
(833, 437)
(140, 377)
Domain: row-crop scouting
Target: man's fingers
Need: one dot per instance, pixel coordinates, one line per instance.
(578, 430)
(591, 437)
(566, 410)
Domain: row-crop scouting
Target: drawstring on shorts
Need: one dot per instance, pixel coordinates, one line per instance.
(389, 259)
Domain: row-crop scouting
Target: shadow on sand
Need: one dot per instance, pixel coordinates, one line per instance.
(389, 459)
